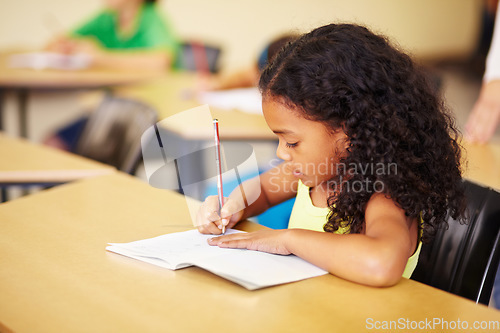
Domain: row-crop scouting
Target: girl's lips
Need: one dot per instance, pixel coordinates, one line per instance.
(297, 173)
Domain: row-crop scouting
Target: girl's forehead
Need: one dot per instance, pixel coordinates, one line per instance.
(280, 117)
(278, 106)
(283, 118)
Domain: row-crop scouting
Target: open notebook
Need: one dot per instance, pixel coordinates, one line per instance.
(251, 269)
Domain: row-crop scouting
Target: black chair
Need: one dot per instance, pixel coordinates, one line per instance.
(198, 57)
(464, 258)
(112, 134)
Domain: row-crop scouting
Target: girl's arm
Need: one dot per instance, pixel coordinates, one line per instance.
(270, 188)
(377, 258)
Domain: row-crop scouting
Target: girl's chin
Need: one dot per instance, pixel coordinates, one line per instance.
(311, 181)
(307, 181)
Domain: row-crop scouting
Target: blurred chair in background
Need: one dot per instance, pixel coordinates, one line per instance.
(112, 134)
(197, 56)
(248, 76)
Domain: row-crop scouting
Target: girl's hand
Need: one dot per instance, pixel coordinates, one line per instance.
(270, 241)
(208, 220)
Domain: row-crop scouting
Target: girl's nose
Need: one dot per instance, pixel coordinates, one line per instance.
(282, 153)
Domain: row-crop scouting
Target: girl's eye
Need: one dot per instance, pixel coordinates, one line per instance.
(291, 145)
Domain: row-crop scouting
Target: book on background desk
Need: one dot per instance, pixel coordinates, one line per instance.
(49, 60)
(247, 100)
(251, 269)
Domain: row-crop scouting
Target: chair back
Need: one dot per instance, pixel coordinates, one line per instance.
(198, 57)
(463, 259)
(113, 132)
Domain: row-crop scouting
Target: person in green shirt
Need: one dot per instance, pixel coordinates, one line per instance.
(125, 34)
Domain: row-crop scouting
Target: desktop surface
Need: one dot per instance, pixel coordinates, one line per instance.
(57, 276)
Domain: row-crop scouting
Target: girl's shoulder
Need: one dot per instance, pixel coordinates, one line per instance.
(381, 207)
(381, 201)
(383, 214)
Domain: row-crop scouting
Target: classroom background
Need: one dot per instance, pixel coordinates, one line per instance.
(442, 35)
(432, 31)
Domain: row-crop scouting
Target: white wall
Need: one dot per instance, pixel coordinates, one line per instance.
(427, 28)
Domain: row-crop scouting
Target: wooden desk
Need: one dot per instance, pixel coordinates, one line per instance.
(23, 162)
(173, 93)
(56, 275)
(483, 164)
(22, 81)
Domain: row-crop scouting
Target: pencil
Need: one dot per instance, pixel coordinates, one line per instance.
(219, 169)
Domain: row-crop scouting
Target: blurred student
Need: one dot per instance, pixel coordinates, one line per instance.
(125, 34)
(485, 116)
(246, 77)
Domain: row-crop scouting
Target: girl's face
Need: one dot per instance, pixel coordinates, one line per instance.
(310, 149)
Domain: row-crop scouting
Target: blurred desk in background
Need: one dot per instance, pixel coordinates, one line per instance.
(22, 81)
(174, 92)
(483, 164)
(26, 163)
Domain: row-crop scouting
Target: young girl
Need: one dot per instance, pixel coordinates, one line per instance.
(368, 150)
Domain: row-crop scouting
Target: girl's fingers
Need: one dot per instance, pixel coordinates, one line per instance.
(231, 213)
(207, 213)
(209, 228)
(208, 219)
(227, 239)
(212, 216)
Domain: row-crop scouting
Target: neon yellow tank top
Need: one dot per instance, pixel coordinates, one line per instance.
(307, 216)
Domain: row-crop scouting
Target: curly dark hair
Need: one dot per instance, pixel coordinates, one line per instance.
(348, 77)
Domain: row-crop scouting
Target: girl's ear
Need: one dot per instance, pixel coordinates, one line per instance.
(347, 144)
(347, 141)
